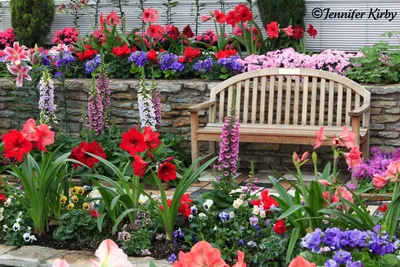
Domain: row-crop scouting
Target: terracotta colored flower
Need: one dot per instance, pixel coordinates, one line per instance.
(139, 166)
(205, 18)
(320, 138)
(16, 54)
(220, 17)
(280, 227)
(21, 72)
(344, 193)
(353, 158)
(152, 55)
(151, 138)
(273, 30)
(133, 142)
(298, 32)
(187, 32)
(16, 145)
(393, 169)
(347, 138)
(46, 136)
(60, 263)
(312, 31)
(150, 15)
(303, 158)
(155, 31)
(380, 181)
(301, 262)
(240, 262)
(201, 254)
(335, 141)
(167, 172)
(110, 255)
(288, 31)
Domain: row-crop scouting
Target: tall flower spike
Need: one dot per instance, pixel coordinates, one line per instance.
(103, 88)
(95, 111)
(146, 107)
(156, 104)
(46, 101)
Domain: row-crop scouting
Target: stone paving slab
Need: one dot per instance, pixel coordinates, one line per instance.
(28, 256)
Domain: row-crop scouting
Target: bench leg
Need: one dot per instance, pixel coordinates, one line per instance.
(365, 148)
(194, 121)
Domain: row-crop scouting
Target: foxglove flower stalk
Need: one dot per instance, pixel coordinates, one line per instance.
(103, 88)
(156, 104)
(95, 111)
(46, 101)
(147, 111)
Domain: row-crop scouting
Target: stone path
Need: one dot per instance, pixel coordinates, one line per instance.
(36, 256)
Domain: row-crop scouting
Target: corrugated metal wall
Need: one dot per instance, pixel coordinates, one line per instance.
(343, 34)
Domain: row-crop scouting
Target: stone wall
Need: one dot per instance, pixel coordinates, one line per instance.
(177, 95)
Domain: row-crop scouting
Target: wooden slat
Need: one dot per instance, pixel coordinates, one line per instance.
(348, 105)
(254, 101)
(279, 100)
(238, 98)
(246, 100)
(221, 106)
(330, 102)
(230, 96)
(288, 96)
(271, 99)
(322, 103)
(304, 111)
(313, 101)
(296, 100)
(262, 100)
(339, 105)
(357, 102)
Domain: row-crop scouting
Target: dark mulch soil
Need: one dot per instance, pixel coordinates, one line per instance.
(162, 249)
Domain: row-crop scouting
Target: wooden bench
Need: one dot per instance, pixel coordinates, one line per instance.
(285, 106)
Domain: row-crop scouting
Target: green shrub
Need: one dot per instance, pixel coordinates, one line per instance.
(31, 20)
(285, 12)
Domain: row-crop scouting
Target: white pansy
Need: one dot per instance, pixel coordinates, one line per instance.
(26, 237)
(18, 220)
(8, 202)
(231, 215)
(215, 228)
(190, 218)
(33, 238)
(207, 205)
(256, 210)
(237, 203)
(202, 215)
(263, 214)
(16, 227)
(19, 214)
(1, 210)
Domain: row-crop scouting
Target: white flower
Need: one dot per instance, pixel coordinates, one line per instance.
(1, 217)
(207, 205)
(239, 190)
(263, 214)
(1, 210)
(215, 228)
(231, 215)
(18, 219)
(143, 199)
(256, 210)
(5, 228)
(26, 237)
(33, 238)
(16, 227)
(237, 203)
(7, 203)
(190, 218)
(19, 214)
(202, 215)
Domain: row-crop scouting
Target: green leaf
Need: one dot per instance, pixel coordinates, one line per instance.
(290, 211)
(293, 240)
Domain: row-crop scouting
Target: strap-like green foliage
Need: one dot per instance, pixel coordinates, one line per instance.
(282, 11)
(31, 20)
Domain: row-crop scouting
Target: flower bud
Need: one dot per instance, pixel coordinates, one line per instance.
(314, 157)
(169, 159)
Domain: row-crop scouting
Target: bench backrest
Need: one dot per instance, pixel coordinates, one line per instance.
(290, 97)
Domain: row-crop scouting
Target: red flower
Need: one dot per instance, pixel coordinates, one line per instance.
(150, 15)
(288, 31)
(187, 32)
(184, 208)
(169, 203)
(151, 138)
(2, 198)
(133, 49)
(298, 32)
(256, 202)
(152, 55)
(334, 198)
(268, 201)
(312, 31)
(133, 142)
(89, 53)
(155, 31)
(112, 19)
(94, 213)
(191, 53)
(139, 166)
(80, 153)
(181, 59)
(121, 51)
(220, 17)
(244, 13)
(225, 53)
(280, 227)
(383, 208)
(16, 145)
(172, 32)
(233, 18)
(167, 172)
(273, 30)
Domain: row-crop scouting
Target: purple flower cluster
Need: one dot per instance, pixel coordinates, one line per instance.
(139, 58)
(92, 64)
(232, 63)
(46, 100)
(63, 59)
(203, 66)
(170, 62)
(375, 165)
(103, 88)
(157, 108)
(229, 148)
(178, 234)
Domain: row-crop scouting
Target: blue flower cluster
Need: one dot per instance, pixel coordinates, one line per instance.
(231, 63)
(139, 58)
(203, 65)
(92, 64)
(338, 240)
(63, 59)
(224, 216)
(170, 62)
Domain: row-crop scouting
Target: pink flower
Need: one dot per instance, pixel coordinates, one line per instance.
(301, 262)
(29, 131)
(325, 182)
(21, 72)
(150, 15)
(335, 141)
(288, 31)
(60, 263)
(303, 158)
(347, 138)
(353, 158)
(205, 18)
(346, 194)
(240, 262)
(201, 254)
(110, 255)
(393, 169)
(380, 181)
(16, 54)
(320, 138)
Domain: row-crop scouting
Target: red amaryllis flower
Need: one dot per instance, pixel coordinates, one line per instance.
(220, 17)
(244, 13)
(155, 31)
(172, 32)
(187, 32)
(112, 19)
(94, 213)
(191, 53)
(121, 51)
(184, 208)
(298, 32)
(46, 137)
(225, 53)
(150, 15)
(280, 227)
(312, 31)
(167, 172)
(233, 18)
(133, 142)
(2, 198)
(353, 158)
(152, 55)
(273, 30)
(139, 166)
(16, 145)
(80, 153)
(151, 138)
(29, 131)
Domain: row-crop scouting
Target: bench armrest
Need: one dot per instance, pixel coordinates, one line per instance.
(201, 106)
(359, 111)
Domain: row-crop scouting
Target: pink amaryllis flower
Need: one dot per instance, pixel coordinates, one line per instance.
(288, 31)
(301, 262)
(353, 158)
(150, 15)
(16, 54)
(347, 138)
(110, 255)
(393, 169)
(201, 254)
(380, 181)
(21, 71)
(205, 18)
(60, 263)
(320, 138)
